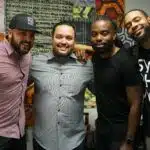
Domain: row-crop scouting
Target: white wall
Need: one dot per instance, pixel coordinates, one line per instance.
(2, 16)
(140, 4)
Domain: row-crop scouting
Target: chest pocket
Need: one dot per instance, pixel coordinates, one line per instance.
(73, 83)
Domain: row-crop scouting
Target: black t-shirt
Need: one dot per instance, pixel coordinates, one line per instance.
(144, 67)
(112, 76)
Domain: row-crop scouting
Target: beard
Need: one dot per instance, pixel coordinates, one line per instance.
(144, 35)
(105, 49)
(22, 48)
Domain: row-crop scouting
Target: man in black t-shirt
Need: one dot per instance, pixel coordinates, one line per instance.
(137, 23)
(118, 89)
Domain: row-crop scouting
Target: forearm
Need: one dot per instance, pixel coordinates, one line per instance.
(133, 119)
(83, 47)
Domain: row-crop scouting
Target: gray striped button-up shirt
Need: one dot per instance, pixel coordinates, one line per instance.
(60, 84)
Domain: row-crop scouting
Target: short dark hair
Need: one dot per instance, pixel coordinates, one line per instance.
(106, 18)
(68, 23)
(140, 10)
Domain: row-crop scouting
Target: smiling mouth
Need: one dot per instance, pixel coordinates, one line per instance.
(62, 48)
(100, 45)
(25, 44)
(137, 33)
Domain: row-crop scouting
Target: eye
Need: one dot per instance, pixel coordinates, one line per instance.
(137, 19)
(127, 26)
(69, 38)
(58, 36)
(105, 33)
(32, 34)
(94, 34)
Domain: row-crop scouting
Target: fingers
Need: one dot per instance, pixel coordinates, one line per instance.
(81, 55)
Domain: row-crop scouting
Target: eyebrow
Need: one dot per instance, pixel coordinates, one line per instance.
(135, 18)
(126, 24)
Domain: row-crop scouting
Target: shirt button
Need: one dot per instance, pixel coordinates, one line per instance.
(58, 109)
(58, 122)
(60, 84)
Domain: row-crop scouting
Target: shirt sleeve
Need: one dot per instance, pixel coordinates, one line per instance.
(130, 72)
(91, 86)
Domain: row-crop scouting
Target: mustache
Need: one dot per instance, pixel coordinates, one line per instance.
(25, 42)
(103, 43)
(62, 45)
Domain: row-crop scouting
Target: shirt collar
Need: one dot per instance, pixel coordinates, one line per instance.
(8, 47)
(52, 56)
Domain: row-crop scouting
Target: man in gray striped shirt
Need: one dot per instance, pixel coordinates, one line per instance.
(60, 82)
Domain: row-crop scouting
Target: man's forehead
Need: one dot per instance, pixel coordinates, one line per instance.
(21, 30)
(102, 24)
(130, 15)
(62, 28)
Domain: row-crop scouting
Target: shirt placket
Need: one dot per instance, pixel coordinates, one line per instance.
(60, 86)
(22, 96)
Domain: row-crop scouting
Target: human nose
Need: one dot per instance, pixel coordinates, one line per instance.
(99, 37)
(29, 37)
(134, 26)
(63, 41)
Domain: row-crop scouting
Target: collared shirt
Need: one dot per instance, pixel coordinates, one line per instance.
(60, 84)
(14, 71)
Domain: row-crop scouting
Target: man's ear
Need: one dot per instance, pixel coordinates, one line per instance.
(9, 33)
(114, 37)
(148, 19)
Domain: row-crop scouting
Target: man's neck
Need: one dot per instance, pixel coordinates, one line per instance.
(145, 43)
(111, 53)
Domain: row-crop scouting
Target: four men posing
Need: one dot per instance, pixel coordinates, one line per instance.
(60, 81)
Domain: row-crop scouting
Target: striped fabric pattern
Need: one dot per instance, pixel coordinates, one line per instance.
(13, 79)
(60, 84)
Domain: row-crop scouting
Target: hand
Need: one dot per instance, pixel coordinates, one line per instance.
(81, 55)
(81, 52)
(126, 146)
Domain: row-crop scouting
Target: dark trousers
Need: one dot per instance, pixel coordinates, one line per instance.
(110, 136)
(81, 146)
(12, 144)
(36, 146)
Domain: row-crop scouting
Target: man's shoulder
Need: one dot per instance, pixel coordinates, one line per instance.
(40, 57)
(125, 56)
(87, 63)
(4, 46)
(40, 60)
(123, 60)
